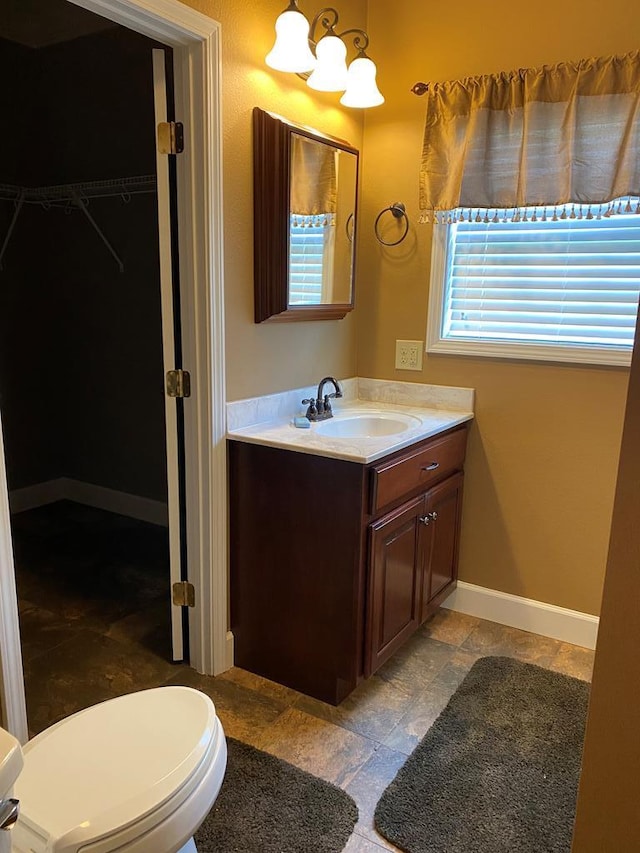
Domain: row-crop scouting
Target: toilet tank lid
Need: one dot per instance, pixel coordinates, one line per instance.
(115, 762)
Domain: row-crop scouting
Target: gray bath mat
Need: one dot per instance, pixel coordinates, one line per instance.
(268, 806)
(498, 770)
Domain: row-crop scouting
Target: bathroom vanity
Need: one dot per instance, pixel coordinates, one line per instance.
(336, 562)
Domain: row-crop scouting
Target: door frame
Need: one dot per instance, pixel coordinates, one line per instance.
(196, 42)
(14, 711)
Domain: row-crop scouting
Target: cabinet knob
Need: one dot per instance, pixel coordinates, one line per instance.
(428, 518)
(431, 466)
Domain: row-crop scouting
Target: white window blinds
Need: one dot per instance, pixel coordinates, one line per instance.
(306, 250)
(548, 278)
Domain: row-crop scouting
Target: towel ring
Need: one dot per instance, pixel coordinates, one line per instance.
(348, 223)
(398, 210)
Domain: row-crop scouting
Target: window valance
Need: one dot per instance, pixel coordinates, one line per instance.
(560, 133)
(314, 182)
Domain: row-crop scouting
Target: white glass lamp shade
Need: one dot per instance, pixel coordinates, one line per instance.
(291, 49)
(362, 89)
(330, 73)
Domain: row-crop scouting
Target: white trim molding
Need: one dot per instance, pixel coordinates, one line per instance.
(100, 497)
(196, 42)
(39, 494)
(195, 39)
(199, 99)
(14, 709)
(112, 500)
(548, 620)
(230, 648)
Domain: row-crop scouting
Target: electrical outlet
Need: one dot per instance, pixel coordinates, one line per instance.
(409, 355)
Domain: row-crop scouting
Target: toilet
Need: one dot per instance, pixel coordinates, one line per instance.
(136, 774)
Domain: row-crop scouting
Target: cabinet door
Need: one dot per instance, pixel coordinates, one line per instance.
(441, 536)
(395, 566)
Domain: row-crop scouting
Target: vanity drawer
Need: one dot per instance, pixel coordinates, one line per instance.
(417, 467)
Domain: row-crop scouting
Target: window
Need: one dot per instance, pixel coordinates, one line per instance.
(309, 264)
(557, 284)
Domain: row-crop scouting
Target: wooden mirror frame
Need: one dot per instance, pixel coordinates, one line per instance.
(271, 217)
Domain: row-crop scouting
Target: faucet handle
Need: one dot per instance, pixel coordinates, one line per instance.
(328, 398)
(312, 410)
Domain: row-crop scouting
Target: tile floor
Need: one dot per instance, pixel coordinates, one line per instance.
(78, 651)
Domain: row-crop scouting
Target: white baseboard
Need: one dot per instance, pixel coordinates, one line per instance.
(34, 496)
(229, 650)
(548, 620)
(100, 497)
(133, 506)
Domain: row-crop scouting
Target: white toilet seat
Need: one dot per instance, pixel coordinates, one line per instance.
(137, 773)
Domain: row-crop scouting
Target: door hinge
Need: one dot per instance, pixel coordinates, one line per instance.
(170, 137)
(184, 594)
(178, 383)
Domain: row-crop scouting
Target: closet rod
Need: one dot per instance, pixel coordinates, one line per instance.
(75, 195)
(122, 187)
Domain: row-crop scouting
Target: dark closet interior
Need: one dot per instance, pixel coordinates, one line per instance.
(81, 370)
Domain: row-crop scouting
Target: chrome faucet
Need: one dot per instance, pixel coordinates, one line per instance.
(320, 408)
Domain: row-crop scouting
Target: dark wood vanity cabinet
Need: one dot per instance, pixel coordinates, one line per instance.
(444, 506)
(412, 567)
(334, 564)
(396, 581)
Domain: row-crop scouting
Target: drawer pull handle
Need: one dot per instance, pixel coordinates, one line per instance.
(431, 466)
(428, 518)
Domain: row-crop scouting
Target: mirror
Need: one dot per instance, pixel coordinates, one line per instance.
(305, 191)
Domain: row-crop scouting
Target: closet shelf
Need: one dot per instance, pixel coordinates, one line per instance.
(75, 196)
(123, 187)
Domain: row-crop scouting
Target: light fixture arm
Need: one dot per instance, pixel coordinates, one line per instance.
(328, 18)
(327, 23)
(360, 42)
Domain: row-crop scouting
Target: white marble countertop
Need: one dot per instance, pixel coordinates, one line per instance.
(434, 408)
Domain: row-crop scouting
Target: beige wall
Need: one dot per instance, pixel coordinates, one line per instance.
(544, 448)
(543, 451)
(268, 357)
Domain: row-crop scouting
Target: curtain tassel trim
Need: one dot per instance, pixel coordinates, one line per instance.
(542, 213)
(322, 220)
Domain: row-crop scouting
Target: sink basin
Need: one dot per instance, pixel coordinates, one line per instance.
(367, 425)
